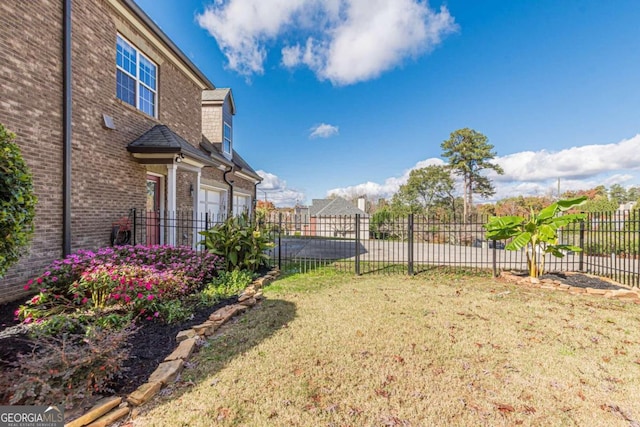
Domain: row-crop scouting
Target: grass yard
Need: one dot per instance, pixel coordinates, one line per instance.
(329, 349)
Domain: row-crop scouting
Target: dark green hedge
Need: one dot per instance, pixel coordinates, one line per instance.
(17, 201)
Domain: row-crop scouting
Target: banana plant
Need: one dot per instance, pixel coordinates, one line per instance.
(538, 233)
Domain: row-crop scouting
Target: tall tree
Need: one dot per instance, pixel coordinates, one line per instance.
(617, 194)
(427, 188)
(469, 153)
(633, 194)
(599, 204)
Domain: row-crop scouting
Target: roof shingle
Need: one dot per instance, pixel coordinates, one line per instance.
(334, 207)
(161, 139)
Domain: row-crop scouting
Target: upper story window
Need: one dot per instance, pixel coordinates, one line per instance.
(136, 78)
(227, 140)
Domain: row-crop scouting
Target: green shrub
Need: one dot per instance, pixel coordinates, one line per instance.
(239, 242)
(17, 201)
(226, 285)
(56, 325)
(173, 311)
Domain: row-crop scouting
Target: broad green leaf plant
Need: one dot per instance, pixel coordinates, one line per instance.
(537, 234)
(239, 242)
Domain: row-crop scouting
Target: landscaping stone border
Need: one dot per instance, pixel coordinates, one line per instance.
(111, 409)
(626, 294)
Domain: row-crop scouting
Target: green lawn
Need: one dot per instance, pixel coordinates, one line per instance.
(329, 349)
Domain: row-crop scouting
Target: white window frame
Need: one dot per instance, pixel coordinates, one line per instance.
(236, 196)
(225, 139)
(222, 206)
(138, 81)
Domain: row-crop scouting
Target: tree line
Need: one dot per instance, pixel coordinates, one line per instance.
(431, 190)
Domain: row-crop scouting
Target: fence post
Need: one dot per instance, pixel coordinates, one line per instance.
(134, 225)
(357, 244)
(410, 243)
(494, 263)
(279, 240)
(635, 225)
(581, 254)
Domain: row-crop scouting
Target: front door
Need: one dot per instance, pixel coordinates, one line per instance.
(153, 210)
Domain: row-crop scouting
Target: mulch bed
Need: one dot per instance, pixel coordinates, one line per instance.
(580, 280)
(150, 344)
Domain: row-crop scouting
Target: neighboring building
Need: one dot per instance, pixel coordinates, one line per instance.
(335, 218)
(148, 130)
(626, 207)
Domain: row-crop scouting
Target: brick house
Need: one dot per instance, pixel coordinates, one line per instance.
(335, 218)
(144, 128)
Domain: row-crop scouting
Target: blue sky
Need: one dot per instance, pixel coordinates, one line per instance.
(347, 96)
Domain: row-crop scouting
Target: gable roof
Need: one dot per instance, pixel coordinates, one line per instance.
(240, 165)
(161, 139)
(334, 207)
(214, 151)
(244, 166)
(155, 29)
(318, 204)
(218, 96)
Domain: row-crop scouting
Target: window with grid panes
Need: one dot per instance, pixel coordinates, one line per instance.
(136, 78)
(227, 139)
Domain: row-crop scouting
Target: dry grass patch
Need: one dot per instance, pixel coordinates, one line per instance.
(329, 349)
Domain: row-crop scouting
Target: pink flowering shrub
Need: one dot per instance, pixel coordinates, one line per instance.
(132, 278)
(135, 287)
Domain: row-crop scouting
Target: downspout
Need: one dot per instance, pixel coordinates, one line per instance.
(255, 199)
(230, 184)
(66, 130)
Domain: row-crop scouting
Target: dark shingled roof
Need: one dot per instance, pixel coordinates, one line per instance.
(214, 151)
(161, 139)
(215, 148)
(244, 166)
(334, 207)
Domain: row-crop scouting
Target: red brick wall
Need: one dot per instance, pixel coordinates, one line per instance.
(106, 180)
(30, 106)
(247, 186)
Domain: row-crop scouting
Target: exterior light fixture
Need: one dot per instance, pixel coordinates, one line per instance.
(179, 157)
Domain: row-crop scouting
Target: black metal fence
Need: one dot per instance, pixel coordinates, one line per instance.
(611, 245)
(412, 244)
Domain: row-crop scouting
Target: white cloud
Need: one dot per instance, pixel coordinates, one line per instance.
(572, 163)
(323, 130)
(390, 186)
(343, 41)
(243, 27)
(275, 190)
(531, 173)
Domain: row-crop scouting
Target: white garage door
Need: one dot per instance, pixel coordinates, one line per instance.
(212, 202)
(241, 204)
